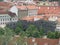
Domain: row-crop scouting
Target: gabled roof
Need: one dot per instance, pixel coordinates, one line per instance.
(4, 8)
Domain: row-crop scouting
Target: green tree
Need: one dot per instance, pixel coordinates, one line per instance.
(32, 31)
(53, 35)
(8, 35)
(1, 35)
(18, 30)
(1, 31)
(19, 24)
(41, 32)
(57, 34)
(20, 41)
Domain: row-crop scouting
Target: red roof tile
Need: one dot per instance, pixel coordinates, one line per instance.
(31, 18)
(48, 10)
(4, 7)
(5, 4)
(27, 7)
(40, 41)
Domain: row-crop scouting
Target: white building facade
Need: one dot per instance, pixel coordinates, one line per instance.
(8, 17)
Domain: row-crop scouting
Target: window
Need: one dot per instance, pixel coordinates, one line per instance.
(13, 23)
(10, 18)
(3, 23)
(13, 19)
(3, 19)
(3, 16)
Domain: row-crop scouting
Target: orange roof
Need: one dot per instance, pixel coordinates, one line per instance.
(23, 7)
(32, 7)
(4, 6)
(48, 10)
(3, 12)
(31, 18)
(42, 41)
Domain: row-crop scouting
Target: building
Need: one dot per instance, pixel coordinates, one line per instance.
(42, 41)
(47, 3)
(24, 0)
(32, 18)
(52, 13)
(29, 10)
(8, 14)
(17, 0)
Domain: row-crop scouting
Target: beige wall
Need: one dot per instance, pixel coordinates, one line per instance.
(32, 12)
(22, 13)
(29, 12)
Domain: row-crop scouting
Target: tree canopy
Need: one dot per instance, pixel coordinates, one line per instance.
(53, 35)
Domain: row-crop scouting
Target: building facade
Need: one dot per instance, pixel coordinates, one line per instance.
(8, 17)
(29, 10)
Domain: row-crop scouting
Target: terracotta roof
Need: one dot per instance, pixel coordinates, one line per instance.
(3, 12)
(40, 41)
(32, 7)
(23, 7)
(4, 7)
(31, 18)
(48, 10)
(5, 4)
(7, 12)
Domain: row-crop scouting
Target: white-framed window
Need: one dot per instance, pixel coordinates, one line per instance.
(1, 19)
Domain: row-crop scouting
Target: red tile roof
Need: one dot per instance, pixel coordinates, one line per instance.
(5, 4)
(49, 10)
(40, 41)
(3, 12)
(4, 7)
(23, 7)
(31, 18)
